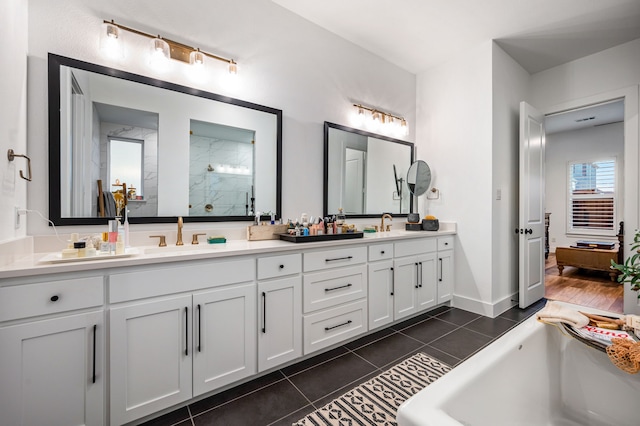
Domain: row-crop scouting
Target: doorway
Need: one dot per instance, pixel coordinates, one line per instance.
(584, 171)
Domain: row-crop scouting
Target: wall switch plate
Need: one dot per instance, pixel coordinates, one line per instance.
(16, 212)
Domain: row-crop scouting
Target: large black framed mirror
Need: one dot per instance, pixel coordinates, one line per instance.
(186, 152)
(365, 173)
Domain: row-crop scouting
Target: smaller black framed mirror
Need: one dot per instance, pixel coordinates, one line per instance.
(364, 173)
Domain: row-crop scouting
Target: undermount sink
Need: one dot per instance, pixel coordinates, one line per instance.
(187, 248)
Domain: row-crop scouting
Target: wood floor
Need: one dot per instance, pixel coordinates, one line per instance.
(582, 287)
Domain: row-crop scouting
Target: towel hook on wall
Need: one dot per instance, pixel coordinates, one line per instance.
(11, 155)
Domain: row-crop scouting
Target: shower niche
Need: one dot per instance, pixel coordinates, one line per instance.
(221, 170)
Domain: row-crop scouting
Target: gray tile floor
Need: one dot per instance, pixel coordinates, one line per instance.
(286, 395)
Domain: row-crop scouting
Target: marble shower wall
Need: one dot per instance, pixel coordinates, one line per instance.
(149, 205)
(210, 188)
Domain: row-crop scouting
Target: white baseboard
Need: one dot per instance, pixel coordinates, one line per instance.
(486, 309)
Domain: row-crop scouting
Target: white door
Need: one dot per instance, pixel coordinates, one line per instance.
(405, 283)
(380, 293)
(531, 206)
(150, 357)
(52, 372)
(225, 347)
(354, 181)
(427, 283)
(280, 322)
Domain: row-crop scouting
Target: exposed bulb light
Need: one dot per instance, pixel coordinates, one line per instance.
(163, 49)
(111, 41)
(381, 121)
(233, 67)
(196, 58)
(159, 54)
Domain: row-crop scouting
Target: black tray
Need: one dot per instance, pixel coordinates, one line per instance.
(323, 237)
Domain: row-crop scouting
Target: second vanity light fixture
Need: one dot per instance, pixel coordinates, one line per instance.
(381, 121)
(161, 49)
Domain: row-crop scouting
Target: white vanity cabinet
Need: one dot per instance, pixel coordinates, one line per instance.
(381, 285)
(279, 310)
(167, 348)
(335, 288)
(445, 274)
(51, 353)
(414, 276)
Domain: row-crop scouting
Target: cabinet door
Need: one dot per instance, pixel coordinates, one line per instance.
(445, 276)
(150, 357)
(224, 349)
(380, 293)
(405, 285)
(52, 372)
(280, 322)
(427, 287)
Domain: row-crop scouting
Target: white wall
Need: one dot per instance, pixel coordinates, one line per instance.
(454, 136)
(13, 115)
(589, 144)
(284, 62)
(511, 85)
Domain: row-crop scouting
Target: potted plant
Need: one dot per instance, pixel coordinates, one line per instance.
(630, 269)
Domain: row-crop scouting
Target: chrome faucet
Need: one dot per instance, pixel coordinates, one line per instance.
(180, 223)
(387, 215)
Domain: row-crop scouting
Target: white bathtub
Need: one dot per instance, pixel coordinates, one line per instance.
(533, 375)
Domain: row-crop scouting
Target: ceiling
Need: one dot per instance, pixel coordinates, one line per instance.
(581, 118)
(419, 34)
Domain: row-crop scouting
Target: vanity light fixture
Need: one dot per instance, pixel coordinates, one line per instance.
(162, 48)
(380, 120)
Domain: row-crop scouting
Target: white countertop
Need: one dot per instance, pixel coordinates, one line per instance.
(31, 264)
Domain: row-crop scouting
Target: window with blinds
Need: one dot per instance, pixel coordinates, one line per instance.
(592, 197)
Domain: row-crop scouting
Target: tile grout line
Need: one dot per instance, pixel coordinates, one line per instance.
(237, 398)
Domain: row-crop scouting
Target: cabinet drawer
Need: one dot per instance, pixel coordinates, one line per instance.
(335, 325)
(317, 260)
(170, 279)
(279, 266)
(330, 288)
(417, 246)
(23, 301)
(445, 243)
(380, 252)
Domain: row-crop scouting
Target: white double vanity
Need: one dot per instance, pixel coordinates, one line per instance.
(112, 341)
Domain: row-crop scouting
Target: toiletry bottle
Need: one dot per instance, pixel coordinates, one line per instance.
(126, 228)
(113, 236)
(104, 244)
(80, 246)
(90, 250)
(119, 245)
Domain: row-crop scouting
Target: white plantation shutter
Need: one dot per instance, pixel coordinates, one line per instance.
(592, 197)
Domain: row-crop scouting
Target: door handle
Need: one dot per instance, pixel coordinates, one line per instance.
(199, 330)
(393, 282)
(95, 327)
(186, 331)
(528, 231)
(264, 312)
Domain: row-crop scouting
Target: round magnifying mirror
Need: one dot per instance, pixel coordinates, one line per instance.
(419, 177)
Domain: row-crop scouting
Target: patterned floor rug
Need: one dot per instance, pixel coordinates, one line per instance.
(376, 401)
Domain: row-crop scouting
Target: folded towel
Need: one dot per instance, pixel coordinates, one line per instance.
(555, 312)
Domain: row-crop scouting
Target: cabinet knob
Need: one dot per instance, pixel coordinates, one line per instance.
(381, 251)
(55, 298)
(281, 266)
